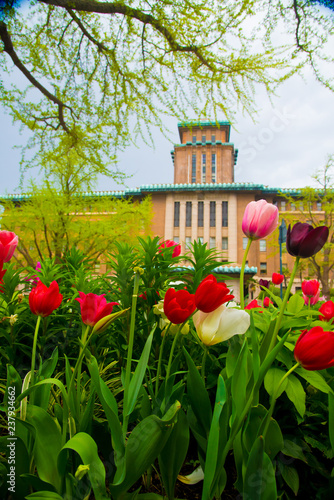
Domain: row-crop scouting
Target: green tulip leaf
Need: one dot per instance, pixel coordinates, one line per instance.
(331, 418)
(137, 378)
(253, 480)
(272, 381)
(290, 476)
(295, 304)
(215, 441)
(145, 443)
(109, 405)
(44, 495)
(84, 445)
(314, 378)
(174, 453)
(239, 382)
(48, 443)
(199, 398)
(296, 394)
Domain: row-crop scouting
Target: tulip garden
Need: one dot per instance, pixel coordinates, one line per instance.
(150, 382)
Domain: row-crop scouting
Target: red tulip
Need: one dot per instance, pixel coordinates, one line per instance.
(94, 307)
(303, 240)
(210, 294)
(327, 311)
(277, 278)
(44, 300)
(314, 349)
(178, 305)
(253, 304)
(8, 243)
(169, 244)
(260, 219)
(267, 302)
(310, 288)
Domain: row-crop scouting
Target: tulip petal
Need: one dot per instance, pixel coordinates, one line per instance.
(193, 478)
(313, 242)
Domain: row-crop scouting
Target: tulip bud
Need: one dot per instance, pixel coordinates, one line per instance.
(8, 243)
(303, 240)
(314, 349)
(326, 311)
(277, 278)
(44, 300)
(260, 219)
(220, 324)
(178, 305)
(210, 294)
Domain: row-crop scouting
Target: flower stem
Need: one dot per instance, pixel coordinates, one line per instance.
(130, 350)
(83, 340)
(160, 359)
(242, 274)
(205, 353)
(33, 357)
(283, 306)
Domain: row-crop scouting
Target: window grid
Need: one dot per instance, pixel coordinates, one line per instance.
(213, 167)
(193, 169)
(224, 243)
(188, 213)
(176, 214)
(200, 214)
(225, 214)
(212, 214)
(203, 167)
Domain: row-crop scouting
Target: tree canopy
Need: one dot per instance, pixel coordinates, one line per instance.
(95, 74)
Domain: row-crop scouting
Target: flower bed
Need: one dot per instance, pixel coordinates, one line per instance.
(129, 386)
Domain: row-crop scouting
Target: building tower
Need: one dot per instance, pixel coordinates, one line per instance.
(205, 155)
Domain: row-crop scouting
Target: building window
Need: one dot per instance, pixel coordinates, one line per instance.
(263, 268)
(224, 243)
(263, 246)
(301, 206)
(225, 213)
(213, 138)
(97, 267)
(244, 242)
(193, 169)
(319, 206)
(203, 139)
(188, 213)
(203, 167)
(194, 139)
(176, 239)
(212, 242)
(283, 205)
(212, 214)
(292, 207)
(200, 214)
(176, 214)
(213, 167)
(200, 240)
(188, 242)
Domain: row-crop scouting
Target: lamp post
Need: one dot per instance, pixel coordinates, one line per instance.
(281, 240)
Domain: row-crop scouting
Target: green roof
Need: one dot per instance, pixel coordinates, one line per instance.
(167, 188)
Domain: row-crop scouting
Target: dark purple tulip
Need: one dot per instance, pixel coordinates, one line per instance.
(264, 283)
(303, 240)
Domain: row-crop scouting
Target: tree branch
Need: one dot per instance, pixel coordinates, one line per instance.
(119, 8)
(9, 48)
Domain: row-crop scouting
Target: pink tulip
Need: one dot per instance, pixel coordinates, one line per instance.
(310, 288)
(8, 243)
(260, 219)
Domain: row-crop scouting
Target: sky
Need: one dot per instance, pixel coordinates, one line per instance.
(287, 144)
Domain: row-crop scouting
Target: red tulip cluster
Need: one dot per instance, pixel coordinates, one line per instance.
(314, 349)
(210, 294)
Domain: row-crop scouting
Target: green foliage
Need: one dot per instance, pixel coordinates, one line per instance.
(52, 223)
